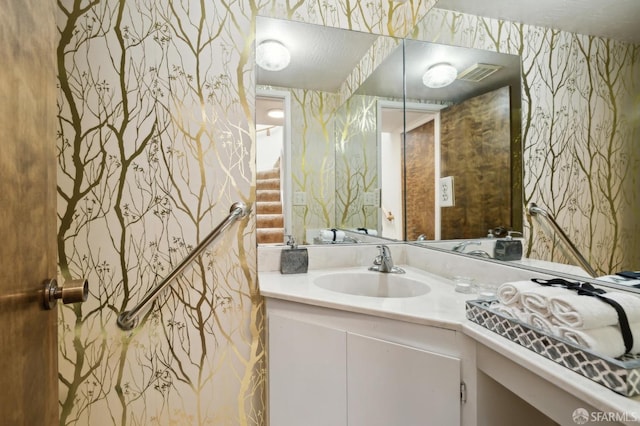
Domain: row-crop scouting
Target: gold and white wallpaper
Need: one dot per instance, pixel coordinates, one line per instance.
(155, 141)
(356, 162)
(312, 159)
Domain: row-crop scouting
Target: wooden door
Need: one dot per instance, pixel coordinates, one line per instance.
(28, 336)
(419, 184)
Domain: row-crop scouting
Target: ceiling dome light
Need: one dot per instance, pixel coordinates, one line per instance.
(276, 113)
(272, 55)
(439, 75)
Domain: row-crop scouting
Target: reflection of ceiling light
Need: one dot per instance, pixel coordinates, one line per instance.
(275, 113)
(272, 55)
(439, 75)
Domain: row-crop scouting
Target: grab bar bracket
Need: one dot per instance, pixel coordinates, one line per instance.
(534, 210)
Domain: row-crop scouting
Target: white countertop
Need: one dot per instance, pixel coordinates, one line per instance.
(440, 307)
(445, 308)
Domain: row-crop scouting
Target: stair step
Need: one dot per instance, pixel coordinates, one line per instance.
(268, 174)
(273, 183)
(270, 221)
(268, 207)
(268, 195)
(270, 235)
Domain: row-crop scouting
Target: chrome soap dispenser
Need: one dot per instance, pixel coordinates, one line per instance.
(294, 260)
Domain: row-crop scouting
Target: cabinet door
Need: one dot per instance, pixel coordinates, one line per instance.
(307, 371)
(391, 384)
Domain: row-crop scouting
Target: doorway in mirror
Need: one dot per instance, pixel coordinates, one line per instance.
(270, 144)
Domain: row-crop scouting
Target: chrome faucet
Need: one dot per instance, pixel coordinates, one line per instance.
(384, 262)
(461, 246)
(479, 253)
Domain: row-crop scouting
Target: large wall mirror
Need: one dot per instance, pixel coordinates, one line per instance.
(455, 143)
(366, 145)
(365, 155)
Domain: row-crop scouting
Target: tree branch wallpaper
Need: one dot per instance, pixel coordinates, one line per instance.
(156, 140)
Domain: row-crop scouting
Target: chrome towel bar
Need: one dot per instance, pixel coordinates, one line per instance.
(534, 210)
(128, 320)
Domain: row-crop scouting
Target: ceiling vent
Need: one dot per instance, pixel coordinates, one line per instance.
(478, 72)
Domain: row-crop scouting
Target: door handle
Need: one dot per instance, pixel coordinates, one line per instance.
(73, 291)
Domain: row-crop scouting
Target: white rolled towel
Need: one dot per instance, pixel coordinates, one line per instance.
(603, 340)
(586, 312)
(510, 312)
(509, 293)
(541, 322)
(537, 299)
(329, 235)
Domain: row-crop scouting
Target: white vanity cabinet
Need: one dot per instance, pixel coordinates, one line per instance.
(329, 367)
(306, 371)
(392, 384)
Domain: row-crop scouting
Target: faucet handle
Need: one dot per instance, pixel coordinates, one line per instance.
(291, 241)
(383, 253)
(384, 250)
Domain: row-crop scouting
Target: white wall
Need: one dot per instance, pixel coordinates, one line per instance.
(391, 178)
(268, 147)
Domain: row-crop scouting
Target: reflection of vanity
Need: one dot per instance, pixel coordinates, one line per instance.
(328, 353)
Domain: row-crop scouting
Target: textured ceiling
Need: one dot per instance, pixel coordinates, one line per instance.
(321, 57)
(616, 19)
(387, 80)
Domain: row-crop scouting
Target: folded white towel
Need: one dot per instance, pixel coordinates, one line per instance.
(541, 322)
(509, 293)
(510, 311)
(603, 340)
(587, 312)
(537, 299)
(328, 235)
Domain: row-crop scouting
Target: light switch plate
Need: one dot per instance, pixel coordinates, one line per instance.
(369, 198)
(447, 196)
(299, 198)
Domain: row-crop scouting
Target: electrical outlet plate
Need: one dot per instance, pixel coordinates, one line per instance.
(447, 196)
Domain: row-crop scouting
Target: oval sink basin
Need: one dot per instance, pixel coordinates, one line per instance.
(372, 284)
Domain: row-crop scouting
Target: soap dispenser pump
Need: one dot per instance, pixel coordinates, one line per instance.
(294, 260)
(508, 248)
